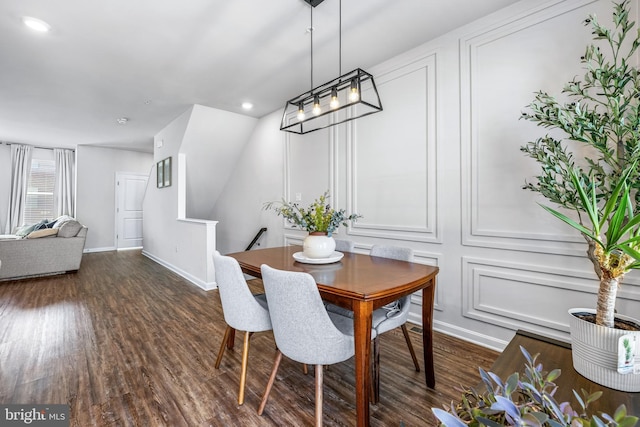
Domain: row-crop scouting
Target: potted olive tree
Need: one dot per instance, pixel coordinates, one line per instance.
(600, 116)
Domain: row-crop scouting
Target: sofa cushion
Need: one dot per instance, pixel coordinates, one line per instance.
(69, 229)
(43, 232)
(9, 237)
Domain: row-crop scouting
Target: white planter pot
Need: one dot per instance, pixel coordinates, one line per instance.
(318, 245)
(595, 352)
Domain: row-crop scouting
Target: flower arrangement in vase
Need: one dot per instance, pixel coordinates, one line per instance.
(319, 219)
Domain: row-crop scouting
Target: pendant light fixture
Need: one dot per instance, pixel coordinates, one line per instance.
(348, 97)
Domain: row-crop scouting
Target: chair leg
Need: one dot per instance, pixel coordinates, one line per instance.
(222, 346)
(272, 379)
(413, 353)
(231, 339)
(375, 372)
(319, 373)
(245, 362)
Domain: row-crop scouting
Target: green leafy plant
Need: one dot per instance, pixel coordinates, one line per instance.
(526, 401)
(615, 251)
(318, 217)
(602, 117)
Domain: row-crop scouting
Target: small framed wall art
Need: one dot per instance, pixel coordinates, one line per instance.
(163, 173)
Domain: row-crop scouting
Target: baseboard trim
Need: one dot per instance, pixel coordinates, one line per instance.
(105, 249)
(207, 286)
(469, 335)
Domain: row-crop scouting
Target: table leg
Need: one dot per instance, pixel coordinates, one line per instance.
(362, 333)
(428, 296)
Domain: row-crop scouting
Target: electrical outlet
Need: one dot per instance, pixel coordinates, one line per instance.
(298, 197)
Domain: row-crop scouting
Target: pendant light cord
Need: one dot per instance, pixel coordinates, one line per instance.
(340, 38)
(311, 31)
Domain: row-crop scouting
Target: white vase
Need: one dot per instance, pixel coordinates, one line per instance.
(594, 350)
(318, 245)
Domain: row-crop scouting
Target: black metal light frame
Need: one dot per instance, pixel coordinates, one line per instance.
(355, 93)
(368, 103)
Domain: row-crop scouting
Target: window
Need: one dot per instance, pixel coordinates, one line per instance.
(39, 203)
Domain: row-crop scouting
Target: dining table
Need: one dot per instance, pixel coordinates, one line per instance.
(361, 283)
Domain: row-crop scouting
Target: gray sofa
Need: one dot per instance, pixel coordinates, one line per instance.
(21, 258)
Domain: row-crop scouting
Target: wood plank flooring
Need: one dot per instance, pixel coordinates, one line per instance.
(126, 342)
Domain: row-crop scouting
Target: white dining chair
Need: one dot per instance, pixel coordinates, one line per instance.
(243, 311)
(304, 331)
(344, 245)
(386, 318)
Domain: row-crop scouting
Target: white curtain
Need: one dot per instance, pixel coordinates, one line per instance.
(63, 194)
(20, 169)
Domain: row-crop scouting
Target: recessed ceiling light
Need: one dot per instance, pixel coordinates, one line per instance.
(247, 105)
(36, 24)
(122, 120)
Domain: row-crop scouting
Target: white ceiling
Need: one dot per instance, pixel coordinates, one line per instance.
(149, 60)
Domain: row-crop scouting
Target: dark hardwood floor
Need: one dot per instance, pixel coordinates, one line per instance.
(126, 342)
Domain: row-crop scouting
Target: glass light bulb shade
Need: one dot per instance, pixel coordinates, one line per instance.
(334, 103)
(354, 96)
(300, 112)
(316, 105)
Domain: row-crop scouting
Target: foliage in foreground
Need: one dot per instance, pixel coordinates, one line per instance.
(527, 401)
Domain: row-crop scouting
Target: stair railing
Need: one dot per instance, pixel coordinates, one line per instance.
(255, 239)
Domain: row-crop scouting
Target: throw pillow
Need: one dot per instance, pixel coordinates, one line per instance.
(61, 220)
(43, 232)
(69, 229)
(42, 224)
(25, 229)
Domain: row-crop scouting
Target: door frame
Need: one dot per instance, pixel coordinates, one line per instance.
(118, 177)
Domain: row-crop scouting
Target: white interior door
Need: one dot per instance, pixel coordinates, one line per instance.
(130, 189)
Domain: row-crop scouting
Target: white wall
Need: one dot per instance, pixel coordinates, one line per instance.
(160, 206)
(211, 144)
(95, 191)
(204, 144)
(440, 170)
(257, 177)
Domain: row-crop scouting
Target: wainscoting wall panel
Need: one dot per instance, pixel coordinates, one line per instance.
(496, 87)
(393, 155)
(527, 296)
(308, 165)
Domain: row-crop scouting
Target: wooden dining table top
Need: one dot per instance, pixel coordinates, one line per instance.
(355, 276)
